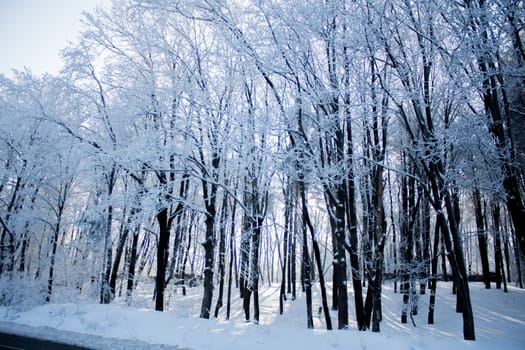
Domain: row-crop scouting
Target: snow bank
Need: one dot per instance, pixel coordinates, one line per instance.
(499, 317)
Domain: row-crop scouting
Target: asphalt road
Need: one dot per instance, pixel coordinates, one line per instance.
(16, 342)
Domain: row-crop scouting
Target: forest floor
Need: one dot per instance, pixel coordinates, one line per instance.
(499, 321)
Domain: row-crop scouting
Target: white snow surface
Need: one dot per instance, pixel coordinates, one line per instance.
(499, 321)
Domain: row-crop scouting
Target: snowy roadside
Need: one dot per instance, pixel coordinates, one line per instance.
(499, 318)
(80, 339)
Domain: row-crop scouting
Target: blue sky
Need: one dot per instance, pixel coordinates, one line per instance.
(32, 32)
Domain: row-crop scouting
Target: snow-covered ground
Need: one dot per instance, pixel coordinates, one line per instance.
(499, 318)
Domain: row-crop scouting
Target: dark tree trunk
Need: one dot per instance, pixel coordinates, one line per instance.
(482, 239)
(222, 255)
(517, 255)
(434, 276)
(244, 279)
(254, 274)
(354, 260)
(306, 277)
(394, 234)
(293, 268)
(209, 191)
(444, 260)
(351, 217)
(457, 262)
(425, 227)
(375, 246)
(282, 290)
(132, 264)
(7, 237)
(178, 248)
(407, 244)
(324, 299)
(336, 271)
(25, 239)
(256, 311)
(247, 294)
(460, 297)
(375, 285)
(232, 258)
(209, 249)
(23, 252)
(245, 255)
(105, 290)
(177, 216)
(62, 196)
(252, 282)
(497, 244)
(317, 255)
(51, 276)
(144, 255)
(506, 250)
(340, 259)
(184, 263)
(162, 258)
(288, 220)
(123, 236)
(230, 281)
(498, 255)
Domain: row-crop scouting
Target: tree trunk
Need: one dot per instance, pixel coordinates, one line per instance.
(247, 294)
(506, 250)
(209, 250)
(425, 227)
(105, 290)
(26, 235)
(245, 255)
(317, 255)
(23, 254)
(340, 258)
(433, 276)
(185, 255)
(498, 255)
(7, 237)
(222, 254)
(517, 256)
(162, 258)
(51, 276)
(252, 281)
(497, 244)
(482, 239)
(254, 273)
(444, 270)
(293, 266)
(177, 216)
(306, 276)
(288, 226)
(394, 231)
(132, 264)
(123, 236)
(144, 255)
(375, 285)
(457, 262)
(230, 267)
(409, 212)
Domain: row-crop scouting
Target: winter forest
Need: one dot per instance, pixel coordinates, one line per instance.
(221, 146)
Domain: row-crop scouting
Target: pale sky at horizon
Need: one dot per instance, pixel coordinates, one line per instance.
(32, 32)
